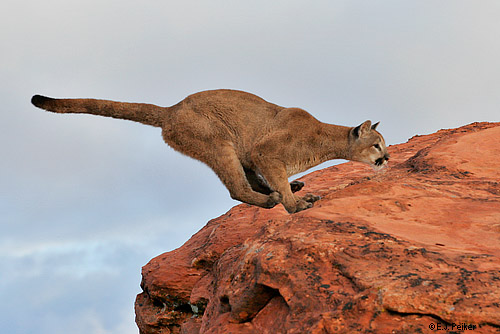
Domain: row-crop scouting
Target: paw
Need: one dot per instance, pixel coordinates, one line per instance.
(273, 199)
(303, 205)
(296, 186)
(311, 198)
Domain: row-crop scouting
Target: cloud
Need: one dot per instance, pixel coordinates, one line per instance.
(82, 287)
(63, 288)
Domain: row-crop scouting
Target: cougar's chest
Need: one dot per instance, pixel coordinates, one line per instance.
(302, 165)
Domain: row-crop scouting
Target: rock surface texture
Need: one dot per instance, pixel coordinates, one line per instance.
(413, 246)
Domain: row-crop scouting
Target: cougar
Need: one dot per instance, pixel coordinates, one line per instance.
(252, 145)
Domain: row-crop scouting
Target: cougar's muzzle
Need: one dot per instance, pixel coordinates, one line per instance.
(382, 160)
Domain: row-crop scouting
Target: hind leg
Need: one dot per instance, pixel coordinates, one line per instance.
(198, 143)
(230, 171)
(220, 156)
(274, 171)
(259, 184)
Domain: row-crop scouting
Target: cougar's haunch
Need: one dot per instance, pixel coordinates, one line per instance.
(252, 145)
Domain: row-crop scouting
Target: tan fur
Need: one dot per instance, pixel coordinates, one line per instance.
(252, 145)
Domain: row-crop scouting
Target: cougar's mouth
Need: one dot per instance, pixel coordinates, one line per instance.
(381, 161)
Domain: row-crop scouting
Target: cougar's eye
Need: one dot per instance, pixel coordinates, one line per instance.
(377, 146)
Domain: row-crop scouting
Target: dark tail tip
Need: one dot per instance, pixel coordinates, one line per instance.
(40, 101)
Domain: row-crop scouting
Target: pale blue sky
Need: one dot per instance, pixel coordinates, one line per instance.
(87, 201)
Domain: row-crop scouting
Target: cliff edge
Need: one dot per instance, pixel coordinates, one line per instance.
(410, 249)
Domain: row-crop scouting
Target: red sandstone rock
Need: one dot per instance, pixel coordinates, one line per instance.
(389, 252)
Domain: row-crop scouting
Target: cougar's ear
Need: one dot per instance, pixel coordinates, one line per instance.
(374, 126)
(362, 130)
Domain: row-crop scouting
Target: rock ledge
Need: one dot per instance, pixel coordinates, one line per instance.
(414, 246)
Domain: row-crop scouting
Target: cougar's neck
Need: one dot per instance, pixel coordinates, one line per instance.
(335, 142)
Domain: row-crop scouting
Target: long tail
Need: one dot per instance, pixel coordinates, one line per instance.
(148, 114)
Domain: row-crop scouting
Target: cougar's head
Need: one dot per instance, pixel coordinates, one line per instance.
(368, 146)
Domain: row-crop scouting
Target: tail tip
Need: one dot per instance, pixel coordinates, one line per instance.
(39, 100)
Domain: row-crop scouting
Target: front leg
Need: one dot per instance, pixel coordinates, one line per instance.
(274, 172)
